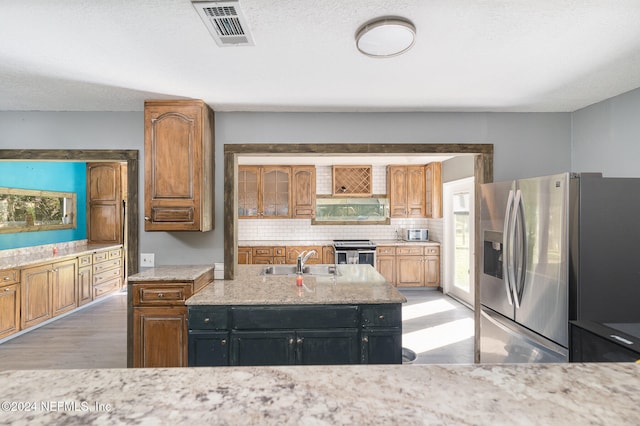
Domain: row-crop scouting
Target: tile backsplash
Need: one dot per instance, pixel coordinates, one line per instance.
(301, 229)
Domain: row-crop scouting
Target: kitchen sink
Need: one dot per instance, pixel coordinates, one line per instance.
(321, 270)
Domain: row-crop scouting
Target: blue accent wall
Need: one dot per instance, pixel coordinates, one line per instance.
(47, 176)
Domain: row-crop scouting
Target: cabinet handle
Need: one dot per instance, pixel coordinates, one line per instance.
(223, 342)
(160, 295)
(206, 320)
(6, 278)
(365, 339)
(6, 289)
(146, 218)
(381, 317)
(291, 341)
(299, 341)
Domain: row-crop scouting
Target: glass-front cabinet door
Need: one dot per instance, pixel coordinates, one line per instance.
(276, 194)
(264, 192)
(248, 191)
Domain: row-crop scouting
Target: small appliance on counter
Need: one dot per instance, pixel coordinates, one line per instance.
(414, 234)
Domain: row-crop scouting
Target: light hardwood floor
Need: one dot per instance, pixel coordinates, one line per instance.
(93, 337)
(434, 326)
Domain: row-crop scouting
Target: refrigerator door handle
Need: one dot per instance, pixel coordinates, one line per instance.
(520, 259)
(506, 268)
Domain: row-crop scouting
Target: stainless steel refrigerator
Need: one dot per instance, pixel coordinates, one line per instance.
(555, 248)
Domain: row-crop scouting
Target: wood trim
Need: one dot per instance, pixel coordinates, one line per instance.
(128, 156)
(483, 173)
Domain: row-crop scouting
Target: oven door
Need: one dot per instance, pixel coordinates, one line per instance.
(367, 257)
(347, 257)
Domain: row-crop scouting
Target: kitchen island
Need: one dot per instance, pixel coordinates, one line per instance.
(522, 394)
(345, 314)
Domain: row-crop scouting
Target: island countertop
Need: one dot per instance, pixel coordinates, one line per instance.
(360, 284)
(518, 394)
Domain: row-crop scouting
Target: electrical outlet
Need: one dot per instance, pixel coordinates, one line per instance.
(147, 260)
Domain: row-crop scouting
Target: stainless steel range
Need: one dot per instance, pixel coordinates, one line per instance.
(355, 252)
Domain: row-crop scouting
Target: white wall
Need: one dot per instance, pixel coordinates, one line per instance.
(526, 144)
(606, 137)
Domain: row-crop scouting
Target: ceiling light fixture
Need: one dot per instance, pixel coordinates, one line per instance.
(385, 37)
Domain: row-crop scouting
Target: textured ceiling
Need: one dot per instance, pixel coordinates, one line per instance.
(469, 55)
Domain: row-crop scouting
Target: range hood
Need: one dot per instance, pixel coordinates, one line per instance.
(356, 210)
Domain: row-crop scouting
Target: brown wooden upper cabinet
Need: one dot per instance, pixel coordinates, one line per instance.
(178, 165)
(433, 189)
(415, 191)
(264, 192)
(104, 203)
(274, 192)
(303, 191)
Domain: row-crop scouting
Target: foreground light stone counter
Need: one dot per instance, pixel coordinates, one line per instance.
(534, 394)
(355, 284)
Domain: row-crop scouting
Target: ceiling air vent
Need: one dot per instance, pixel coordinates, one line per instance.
(225, 22)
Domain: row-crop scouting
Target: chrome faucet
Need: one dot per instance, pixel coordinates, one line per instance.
(302, 259)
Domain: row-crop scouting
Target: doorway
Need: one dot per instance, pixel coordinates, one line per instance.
(459, 242)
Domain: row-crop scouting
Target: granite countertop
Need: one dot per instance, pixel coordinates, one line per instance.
(520, 394)
(274, 243)
(171, 273)
(356, 284)
(406, 243)
(39, 256)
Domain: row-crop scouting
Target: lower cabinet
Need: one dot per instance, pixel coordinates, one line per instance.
(48, 290)
(9, 309)
(158, 315)
(288, 347)
(160, 337)
(85, 285)
(411, 265)
(295, 335)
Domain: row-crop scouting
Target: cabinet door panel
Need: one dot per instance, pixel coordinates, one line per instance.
(409, 272)
(36, 300)
(432, 271)
(386, 268)
(160, 337)
(104, 203)
(64, 287)
(207, 348)
(397, 190)
(85, 285)
(415, 191)
(248, 191)
(276, 196)
(9, 310)
(382, 346)
(262, 347)
(326, 347)
(303, 183)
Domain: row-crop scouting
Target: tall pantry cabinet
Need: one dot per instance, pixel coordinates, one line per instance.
(178, 165)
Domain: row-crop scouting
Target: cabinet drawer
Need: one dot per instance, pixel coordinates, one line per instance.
(410, 250)
(154, 294)
(386, 251)
(106, 287)
(208, 318)
(255, 318)
(381, 316)
(279, 251)
(109, 264)
(84, 260)
(100, 256)
(262, 251)
(429, 250)
(9, 276)
(101, 277)
(115, 254)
